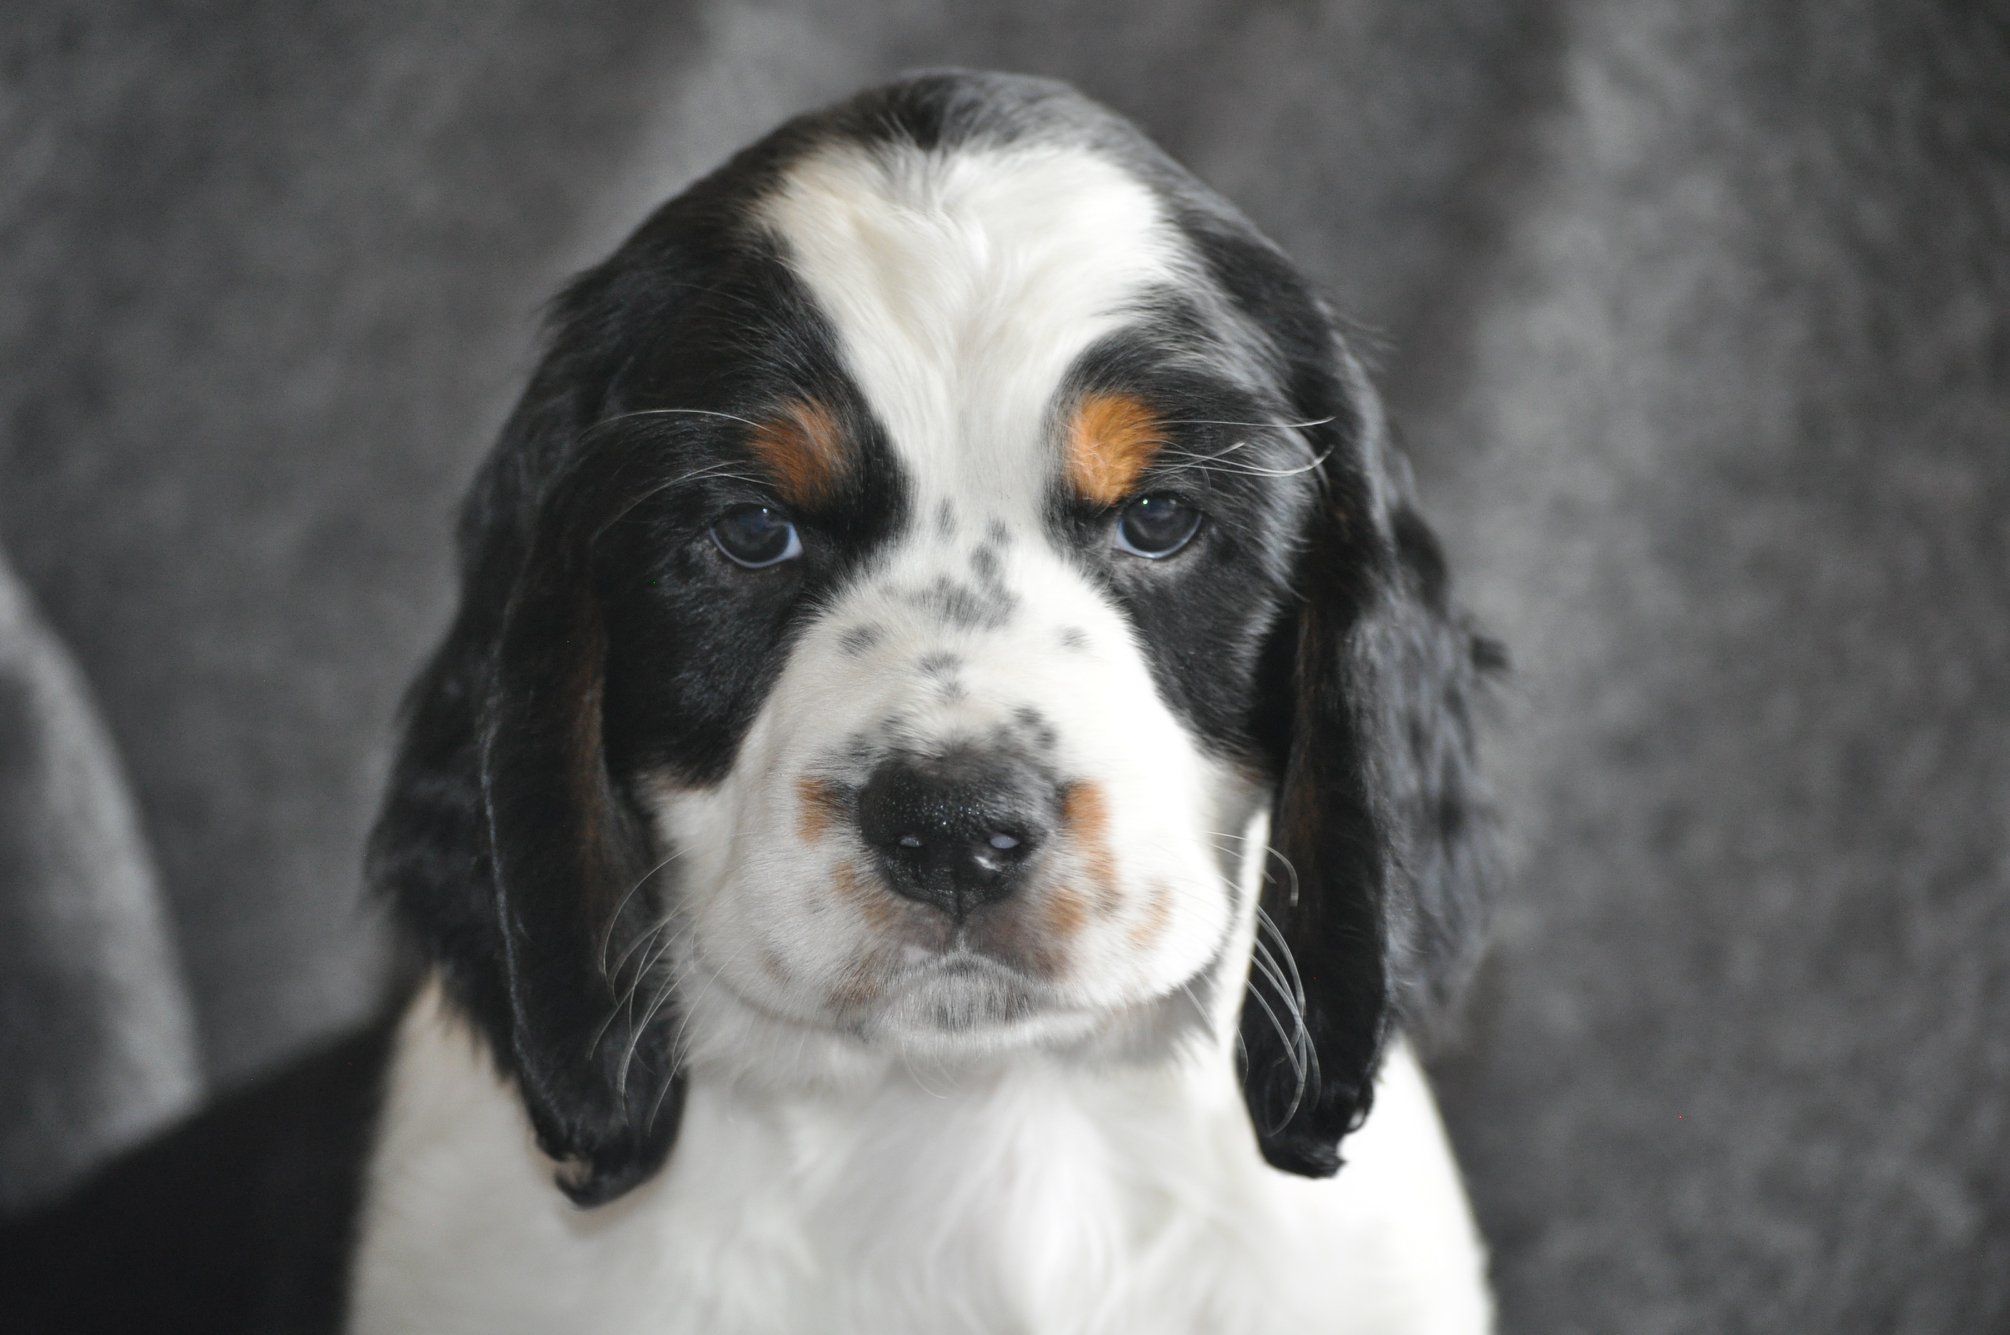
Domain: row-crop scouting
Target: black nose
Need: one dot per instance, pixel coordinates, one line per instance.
(955, 831)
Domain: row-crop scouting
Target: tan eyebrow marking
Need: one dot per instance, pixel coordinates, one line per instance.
(1112, 439)
(803, 449)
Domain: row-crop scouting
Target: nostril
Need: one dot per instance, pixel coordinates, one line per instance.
(1005, 847)
(956, 829)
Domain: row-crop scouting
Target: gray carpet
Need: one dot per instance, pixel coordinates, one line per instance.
(1695, 317)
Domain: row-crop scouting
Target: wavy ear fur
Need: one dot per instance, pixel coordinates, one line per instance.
(506, 845)
(1382, 830)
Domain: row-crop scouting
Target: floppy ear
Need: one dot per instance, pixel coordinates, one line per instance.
(1381, 829)
(506, 845)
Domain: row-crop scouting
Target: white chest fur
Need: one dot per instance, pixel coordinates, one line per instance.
(1029, 1199)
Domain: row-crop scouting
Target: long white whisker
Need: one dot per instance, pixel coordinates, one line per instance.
(695, 475)
(1265, 921)
(672, 412)
(625, 995)
(607, 937)
(1290, 1052)
(626, 1002)
(663, 995)
(1253, 426)
(1213, 463)
(1294, 1006)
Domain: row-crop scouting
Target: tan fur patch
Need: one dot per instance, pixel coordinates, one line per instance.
(1158, 917)
(819, 806)
(803, 450)
(872, 904)
(1065, 911)
(1085, 815)
(1111, 441)
(858, 990)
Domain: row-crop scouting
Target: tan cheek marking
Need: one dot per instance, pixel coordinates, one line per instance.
(1111, 441)
(1158, 917)
(819, 806)
(859, 989)
(803, 451)
(1085, 815)
(1066, 910)
(853, 889)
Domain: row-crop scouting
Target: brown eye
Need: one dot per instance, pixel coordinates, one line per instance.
(756, 536)
(1155, 527)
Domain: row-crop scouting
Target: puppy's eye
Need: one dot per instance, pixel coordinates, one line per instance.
(1155, 526)
(756, 535)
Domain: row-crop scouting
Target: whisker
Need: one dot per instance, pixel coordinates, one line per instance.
(1207, 1020)
(1290, 1050)
(1266, 963)
(695, 475)
(1253, 426)
(606, 422)
(677, 1054)
(1279, 968)
(1265, 921)
(1291, 871)
(1213, 463)
(1261, 957)
(1310, 1051)
(663, 994)
(626, 1002)
(607, 938)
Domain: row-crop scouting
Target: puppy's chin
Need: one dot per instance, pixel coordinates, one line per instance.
(944, 1009)
(968, 1005)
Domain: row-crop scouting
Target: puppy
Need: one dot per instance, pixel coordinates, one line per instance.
(952, 771)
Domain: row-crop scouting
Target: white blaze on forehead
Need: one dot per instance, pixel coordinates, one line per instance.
(962, 286)
(964, 283)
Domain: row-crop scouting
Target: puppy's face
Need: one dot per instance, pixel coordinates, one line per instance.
(935, 654)
(927, 547)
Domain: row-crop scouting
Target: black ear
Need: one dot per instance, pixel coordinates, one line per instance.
(1382, 832)
(509, 849)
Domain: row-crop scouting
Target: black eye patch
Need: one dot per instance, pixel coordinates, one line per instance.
(709, 579)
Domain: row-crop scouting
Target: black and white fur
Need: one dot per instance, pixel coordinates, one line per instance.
(687, 1063)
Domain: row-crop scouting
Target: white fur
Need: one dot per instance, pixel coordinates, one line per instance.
(963, 285)
(1078, 1161)
(1021, 1197)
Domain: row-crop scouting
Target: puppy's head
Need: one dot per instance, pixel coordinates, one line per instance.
(932, 551)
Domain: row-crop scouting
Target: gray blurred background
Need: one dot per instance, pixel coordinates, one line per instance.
(1696, 317)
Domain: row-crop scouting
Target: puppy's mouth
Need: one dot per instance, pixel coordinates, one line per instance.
(958, 990)
(961, 991)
